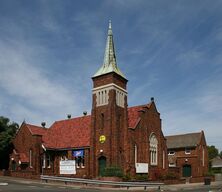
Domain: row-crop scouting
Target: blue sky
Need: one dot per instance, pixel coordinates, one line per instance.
(169, 50)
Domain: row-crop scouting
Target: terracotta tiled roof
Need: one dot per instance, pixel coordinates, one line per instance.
(36, 130)
(182, 141)
(133, 114)
(70, 133)
(23, 158)
(75, 132)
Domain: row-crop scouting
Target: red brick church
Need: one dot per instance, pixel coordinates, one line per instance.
(114, 135)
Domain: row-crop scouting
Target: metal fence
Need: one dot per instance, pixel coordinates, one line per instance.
(66, 180)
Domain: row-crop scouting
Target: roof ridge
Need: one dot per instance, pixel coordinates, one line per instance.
(84, 116)
(183, 134)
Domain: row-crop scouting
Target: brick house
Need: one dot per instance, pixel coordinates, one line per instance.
(25, 159)
(188, 154)
(114, 134)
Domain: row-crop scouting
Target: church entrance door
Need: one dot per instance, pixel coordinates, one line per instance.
(102, 165)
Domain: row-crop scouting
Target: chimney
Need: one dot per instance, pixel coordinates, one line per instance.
(43, 124)
(69, 116)
(84, 113)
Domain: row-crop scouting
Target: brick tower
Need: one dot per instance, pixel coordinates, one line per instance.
(109, 138)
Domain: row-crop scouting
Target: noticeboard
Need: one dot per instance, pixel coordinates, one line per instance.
(67, 167)
(141, 167)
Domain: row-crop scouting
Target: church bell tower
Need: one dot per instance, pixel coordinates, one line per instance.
(109, 136)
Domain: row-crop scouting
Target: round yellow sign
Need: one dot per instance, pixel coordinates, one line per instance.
(102, 138)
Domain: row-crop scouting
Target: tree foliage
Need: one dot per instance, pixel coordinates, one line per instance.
(212, 152)
(7, 132)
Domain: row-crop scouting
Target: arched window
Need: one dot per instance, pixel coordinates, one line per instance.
(153, 149)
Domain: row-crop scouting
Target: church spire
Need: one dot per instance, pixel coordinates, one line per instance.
(109, 62)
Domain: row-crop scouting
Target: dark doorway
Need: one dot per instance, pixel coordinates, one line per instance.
(186, 170)
(102, 165)
(13, 166)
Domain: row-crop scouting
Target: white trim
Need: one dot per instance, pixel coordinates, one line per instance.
(43, 147)
(102, 94)
(135, 153)
(163, 159)
(111, 85)
(171, 152)
(172, 164)
(203, 157)
(30, 158)
(153, 149)
(44, 161)
(187, 151)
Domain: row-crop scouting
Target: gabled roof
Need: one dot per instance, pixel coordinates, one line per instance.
(133, 114)
(216, 162)
(36, 130)
(182, 141)
(70, 133)
(75, 132)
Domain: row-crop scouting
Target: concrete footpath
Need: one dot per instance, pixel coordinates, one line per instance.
(215, 186)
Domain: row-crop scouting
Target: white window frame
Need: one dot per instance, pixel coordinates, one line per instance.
(153, 149)
(44, 161)
(171, 152)
(187, 151)
(172, 164)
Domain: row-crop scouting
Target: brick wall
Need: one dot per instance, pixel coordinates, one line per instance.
(197, 159)
(23, 143)
(150, 123)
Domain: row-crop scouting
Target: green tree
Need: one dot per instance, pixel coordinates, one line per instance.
(7, 132)
(212, 152)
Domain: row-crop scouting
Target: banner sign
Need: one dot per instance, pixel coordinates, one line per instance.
(79, 153)
(67, 167)
(141, 167)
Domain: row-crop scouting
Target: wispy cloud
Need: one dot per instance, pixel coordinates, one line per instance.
(20, 78)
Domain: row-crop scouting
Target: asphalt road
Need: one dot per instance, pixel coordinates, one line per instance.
(14, 184)
(38, 187)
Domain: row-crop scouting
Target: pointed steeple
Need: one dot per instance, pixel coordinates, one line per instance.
(109, 62)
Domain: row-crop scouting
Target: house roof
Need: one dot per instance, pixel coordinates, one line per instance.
(70, 133)
(216, 162)
(75, 132)
(182, 141)
(133, 115)
(36, 130)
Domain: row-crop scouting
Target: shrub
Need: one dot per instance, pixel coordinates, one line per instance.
(112, 172)
(169, 176)
(209, 174)
(141, 177)
(126, 177)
